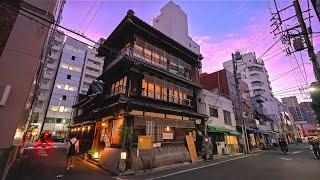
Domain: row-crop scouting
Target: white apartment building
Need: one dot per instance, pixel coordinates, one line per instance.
(254, 73)
(221, 122)
(69, 71)
(46, 80)
(173, 22)
(92, 69)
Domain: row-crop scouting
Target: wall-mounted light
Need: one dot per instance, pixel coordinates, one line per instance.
(103, 124)
(78, 129)
(167, 128)
(123, 155)
(83, 128)
(89, 128)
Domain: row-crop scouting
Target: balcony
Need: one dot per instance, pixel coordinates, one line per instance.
(92, 73)
(48, 75)
(51, 65)
(95, 66)
(54, 55)
(56, 47)
(42, 97)
(157, 58)
(45, 86)
(87, 80)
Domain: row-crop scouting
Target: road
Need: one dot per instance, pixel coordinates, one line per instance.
(299, 164)
(50, 163)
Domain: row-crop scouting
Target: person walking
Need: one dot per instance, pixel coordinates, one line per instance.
(72, 151)
(283, 146)
(315, 147)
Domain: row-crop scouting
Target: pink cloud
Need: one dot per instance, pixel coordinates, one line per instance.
(256, 38)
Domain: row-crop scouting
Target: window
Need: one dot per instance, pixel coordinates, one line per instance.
(64, 97)
(68, 76)
(227, 117)
(160, 89)
(213, 112)
(73, 58)
(119, 86)
(53, 108)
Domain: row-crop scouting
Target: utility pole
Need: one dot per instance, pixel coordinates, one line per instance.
(239, 103)
(305, 34)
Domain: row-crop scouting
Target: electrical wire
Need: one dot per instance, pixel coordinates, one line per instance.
(92, 18)
(81, 23)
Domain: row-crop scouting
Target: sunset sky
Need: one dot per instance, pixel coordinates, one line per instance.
(219, 27)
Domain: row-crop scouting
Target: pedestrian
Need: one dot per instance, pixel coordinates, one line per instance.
(72, 151)
(283, 146)
(315, 147)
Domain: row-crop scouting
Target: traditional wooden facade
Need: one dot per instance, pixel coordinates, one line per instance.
(150, 87)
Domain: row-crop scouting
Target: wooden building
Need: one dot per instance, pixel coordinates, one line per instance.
(150, 87)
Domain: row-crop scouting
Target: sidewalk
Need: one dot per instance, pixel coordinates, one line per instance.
(182, 167)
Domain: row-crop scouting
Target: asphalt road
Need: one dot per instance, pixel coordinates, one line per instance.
(300, 164)
(50, 163)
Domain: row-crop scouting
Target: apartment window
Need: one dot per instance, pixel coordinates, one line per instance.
(227, 117)
(53, 108)
(68, 76)
(73, 58)
(213, 112)
(58, 120)
(64, 97)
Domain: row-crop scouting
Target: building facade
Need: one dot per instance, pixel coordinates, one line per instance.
(92, 69)
(173, 22)
(150, 88)
(223, 82)
(66, 87)
(46, 81)
(254, 73)
(221, 122)
(69, 69)
(19, 63)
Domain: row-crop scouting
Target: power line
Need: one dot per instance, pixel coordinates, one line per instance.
(86, 16)
(92, 18)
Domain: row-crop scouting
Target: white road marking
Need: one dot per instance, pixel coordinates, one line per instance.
(286, 159)
(200, 167)
(296, 152)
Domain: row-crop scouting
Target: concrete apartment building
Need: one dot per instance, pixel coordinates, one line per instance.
(92, 69)
(70, 68)
(254, 73)
(221, 122)
(173, 22)
(16, 53)
(46, 79)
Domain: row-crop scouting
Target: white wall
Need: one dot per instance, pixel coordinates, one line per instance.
(210, 99)
(173, 22)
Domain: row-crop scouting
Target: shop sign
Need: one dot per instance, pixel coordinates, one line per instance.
(167, 135)
(145, 143)
(198, 121)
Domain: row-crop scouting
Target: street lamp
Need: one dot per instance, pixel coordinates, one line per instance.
(312, 89)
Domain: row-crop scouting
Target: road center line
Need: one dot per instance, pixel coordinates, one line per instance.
(201, 167)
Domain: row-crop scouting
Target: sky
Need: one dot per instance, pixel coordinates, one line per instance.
(219, 27)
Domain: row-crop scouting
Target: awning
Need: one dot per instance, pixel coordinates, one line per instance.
(236, 133)
(222, 130)
(262, 132)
